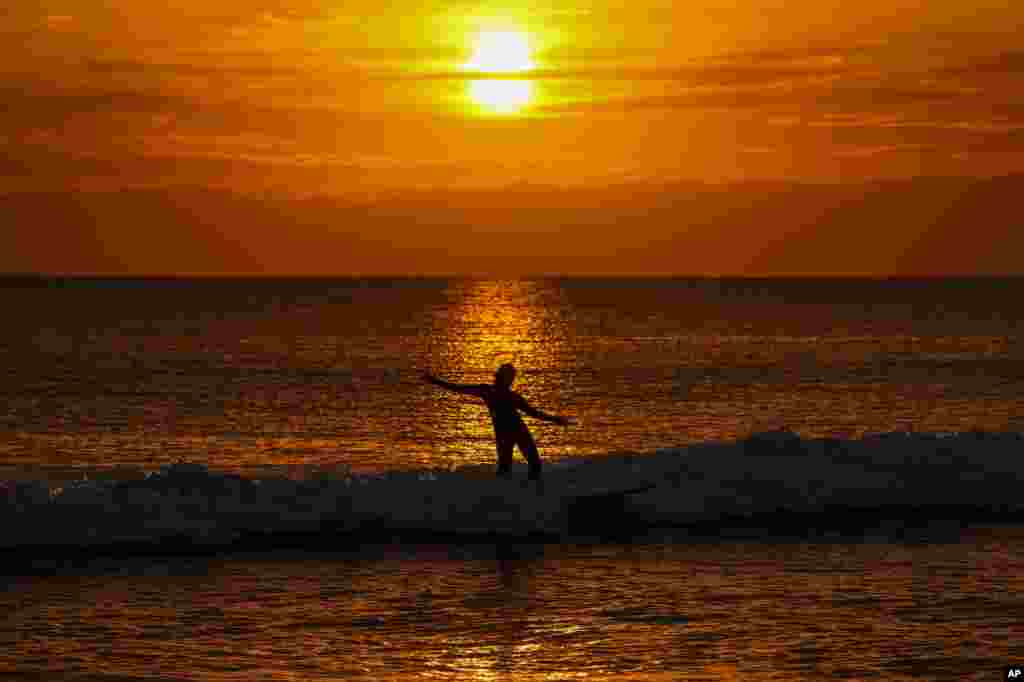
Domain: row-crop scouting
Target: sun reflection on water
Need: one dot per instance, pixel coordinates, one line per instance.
(715, 611)
(490, 323)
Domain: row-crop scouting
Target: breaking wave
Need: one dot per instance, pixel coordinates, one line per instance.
(766, 479)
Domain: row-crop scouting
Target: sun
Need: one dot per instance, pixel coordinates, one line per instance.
(501, 96)
(501, 52)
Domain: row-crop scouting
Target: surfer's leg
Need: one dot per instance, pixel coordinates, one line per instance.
(529, 450)
(505, 446)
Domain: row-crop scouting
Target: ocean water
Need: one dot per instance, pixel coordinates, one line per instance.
(717, 611)
(295, 403)
(245, 374)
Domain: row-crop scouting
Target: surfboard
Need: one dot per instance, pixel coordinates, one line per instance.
(597, 495)
(601, 511)
(573, 492)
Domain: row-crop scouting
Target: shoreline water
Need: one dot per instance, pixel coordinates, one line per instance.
(760, 609)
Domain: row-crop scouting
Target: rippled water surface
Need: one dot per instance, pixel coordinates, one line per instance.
(246, 374)
(241, 374)
(752, 611)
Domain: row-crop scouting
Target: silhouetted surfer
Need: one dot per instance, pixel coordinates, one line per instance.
(505, 405)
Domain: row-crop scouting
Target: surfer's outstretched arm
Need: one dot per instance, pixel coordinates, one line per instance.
(467, 389)
(529, 409)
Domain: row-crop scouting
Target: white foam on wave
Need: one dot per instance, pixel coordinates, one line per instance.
(766, 473)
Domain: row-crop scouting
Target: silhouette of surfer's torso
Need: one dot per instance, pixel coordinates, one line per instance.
(504, 404)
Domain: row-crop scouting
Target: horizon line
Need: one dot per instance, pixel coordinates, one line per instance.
(242, 275)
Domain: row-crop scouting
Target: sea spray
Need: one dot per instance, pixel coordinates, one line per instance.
(760, 477)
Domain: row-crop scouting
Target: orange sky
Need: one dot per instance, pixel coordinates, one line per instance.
(369, 109)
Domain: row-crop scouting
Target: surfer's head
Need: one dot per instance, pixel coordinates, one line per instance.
(505, 375)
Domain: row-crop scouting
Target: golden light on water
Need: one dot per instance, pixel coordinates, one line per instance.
(490, 323)
(501, 52)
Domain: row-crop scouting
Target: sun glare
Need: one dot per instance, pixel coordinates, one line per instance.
(501, 53)
(501, 96)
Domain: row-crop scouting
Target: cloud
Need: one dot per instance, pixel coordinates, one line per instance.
(911, 227)
(60, 22)
(115, 67)
(746, 70)
(879, 150)
(28, 110)
(367, 114)
(826, 87)
(1004, 63)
